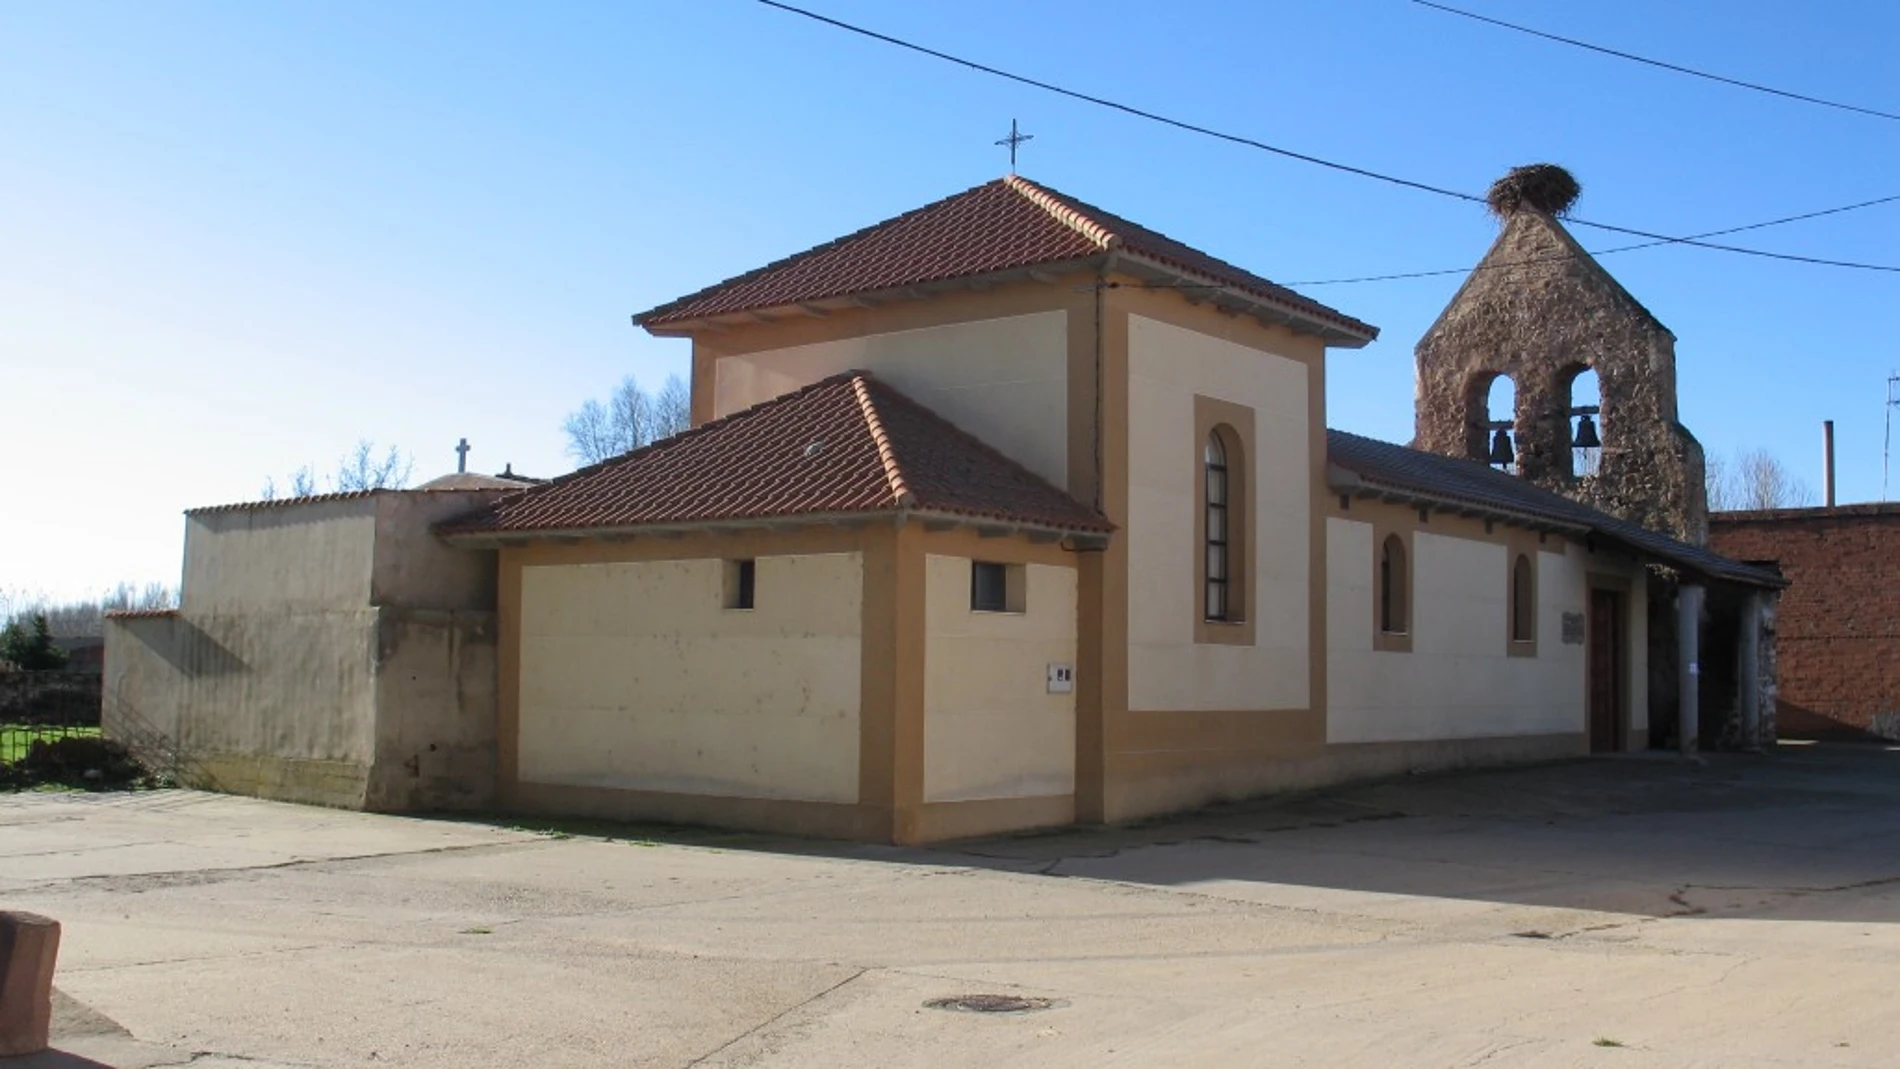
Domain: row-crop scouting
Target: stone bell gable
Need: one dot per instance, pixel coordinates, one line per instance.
(1541, 310)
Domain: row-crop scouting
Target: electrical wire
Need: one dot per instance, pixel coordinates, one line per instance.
(1289, 153)
(1124, 108)
(1677, 68)
(1599, 252)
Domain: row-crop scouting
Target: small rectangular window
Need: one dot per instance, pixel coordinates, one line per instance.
(739, 583)
(989, 587)
(996, 587)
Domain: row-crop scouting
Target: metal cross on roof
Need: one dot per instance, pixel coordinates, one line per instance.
(1014, 139)
(461, 455)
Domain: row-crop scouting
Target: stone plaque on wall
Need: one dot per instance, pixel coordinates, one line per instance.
(1573, 629)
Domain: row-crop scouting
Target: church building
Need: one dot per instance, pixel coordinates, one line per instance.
(1010, 513)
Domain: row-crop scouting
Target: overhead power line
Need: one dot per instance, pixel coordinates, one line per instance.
(1124, 108)
(1677, 68)
(1599, 252)
(1426, 187)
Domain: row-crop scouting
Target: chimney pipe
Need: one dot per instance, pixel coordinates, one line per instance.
(1827, 462)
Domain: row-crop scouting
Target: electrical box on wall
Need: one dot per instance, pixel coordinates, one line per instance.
(1061, 678)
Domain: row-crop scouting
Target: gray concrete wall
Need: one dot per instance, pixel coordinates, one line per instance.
(279, 706)
(435, 693)
(296, 556)
(328, 651)
(413, 569)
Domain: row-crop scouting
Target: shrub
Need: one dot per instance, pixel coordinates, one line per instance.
(81, 761)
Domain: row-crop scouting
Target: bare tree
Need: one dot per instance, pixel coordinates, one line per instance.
(628, 419)
(1755, 480)
(1763, 483)
(84, 616)
(1719, 483)
(360, 469)
(673, 408)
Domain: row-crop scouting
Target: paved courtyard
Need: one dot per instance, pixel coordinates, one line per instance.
(1623, 913)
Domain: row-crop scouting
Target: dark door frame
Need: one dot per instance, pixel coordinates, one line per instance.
(1621, 652)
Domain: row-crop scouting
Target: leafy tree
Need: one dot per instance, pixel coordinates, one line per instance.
(31, 648)
(628, 419)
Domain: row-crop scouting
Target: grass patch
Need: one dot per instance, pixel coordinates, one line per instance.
(67, 756)
(16, 739)
(478, 931)
(1605, 1041)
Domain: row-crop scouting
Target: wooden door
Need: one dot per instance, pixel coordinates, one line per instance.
(1606, 671)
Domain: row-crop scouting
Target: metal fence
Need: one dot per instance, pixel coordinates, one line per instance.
(45, 707)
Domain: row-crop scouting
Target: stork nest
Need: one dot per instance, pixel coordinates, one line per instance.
(1543, 187)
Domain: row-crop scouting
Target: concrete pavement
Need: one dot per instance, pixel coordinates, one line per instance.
(1626, 913)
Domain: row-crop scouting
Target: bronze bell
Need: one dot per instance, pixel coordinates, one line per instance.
(1587, 433)
(1501, 451)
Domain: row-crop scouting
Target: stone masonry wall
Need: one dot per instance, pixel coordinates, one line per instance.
(1541, 311)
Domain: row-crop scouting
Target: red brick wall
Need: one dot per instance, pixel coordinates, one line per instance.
(1839, 624)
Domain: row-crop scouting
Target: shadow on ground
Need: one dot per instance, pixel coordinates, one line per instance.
(1803, 832)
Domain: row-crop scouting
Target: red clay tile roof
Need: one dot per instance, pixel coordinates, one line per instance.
(437, 486)
(847, 445)
(285, 501)
(1011, 223)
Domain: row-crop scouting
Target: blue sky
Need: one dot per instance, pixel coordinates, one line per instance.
(237, 237)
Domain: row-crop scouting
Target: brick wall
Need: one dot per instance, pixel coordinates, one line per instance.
(1839, 621)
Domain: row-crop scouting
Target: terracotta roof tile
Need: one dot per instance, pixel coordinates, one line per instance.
(848, 445)
(1008, 224)
(437, 486)
(285, 501)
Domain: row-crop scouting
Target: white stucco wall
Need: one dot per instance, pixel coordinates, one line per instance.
(1004, 380)
(634, 676)
(991, 727)
(1167, 670)
(1457, 681)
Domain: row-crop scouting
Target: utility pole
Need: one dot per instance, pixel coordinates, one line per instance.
(1886, 449)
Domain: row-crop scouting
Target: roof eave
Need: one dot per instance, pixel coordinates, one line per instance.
(1343, 480)
(658, 324)
(984, 526)
(1343, 333)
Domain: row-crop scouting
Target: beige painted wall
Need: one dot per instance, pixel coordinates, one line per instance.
(1457, 681)
(991, 727)
(1168, 366)
(634, 676)
(1004, 380)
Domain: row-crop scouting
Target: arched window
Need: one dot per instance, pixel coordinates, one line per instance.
(1584, 423)
(1220, 555)
(1500, 427)
(1523, 600)
(1392, 587)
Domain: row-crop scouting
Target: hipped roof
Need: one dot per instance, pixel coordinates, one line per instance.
(1010, 224)
(848, 446)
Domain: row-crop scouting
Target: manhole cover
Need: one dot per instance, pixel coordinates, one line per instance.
(991, 1004)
